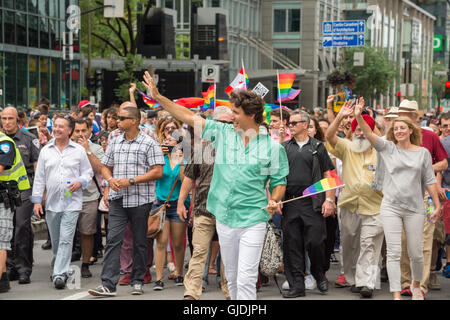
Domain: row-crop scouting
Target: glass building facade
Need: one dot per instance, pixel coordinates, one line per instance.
(31, 58)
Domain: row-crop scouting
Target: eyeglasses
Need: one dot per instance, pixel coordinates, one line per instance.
(170, 128)
(294, 123)
(125, 118)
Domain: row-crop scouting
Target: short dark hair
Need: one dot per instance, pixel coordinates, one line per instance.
(134, 112)
(85, 111)
(43, 109)
(285, 114)
(323, 120)
(69, 119)
(84, 120)
(444, 116)
(44, 100)
(250, 102)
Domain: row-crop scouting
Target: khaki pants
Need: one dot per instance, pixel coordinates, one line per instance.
(361, 239)
(203, 231)
(427, 243)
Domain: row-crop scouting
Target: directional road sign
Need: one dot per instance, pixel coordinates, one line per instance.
(345, 40)
(344, 27)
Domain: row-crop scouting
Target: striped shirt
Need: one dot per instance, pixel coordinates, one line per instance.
(130, 159)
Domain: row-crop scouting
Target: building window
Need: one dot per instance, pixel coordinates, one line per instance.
(286, 20)
(206, 35)
(10, 78)
(33, 35)
(22, 77)
(21, 5)
(43, 30)
(32, 6)
(21, 28)
(292, 53)
(33, 88)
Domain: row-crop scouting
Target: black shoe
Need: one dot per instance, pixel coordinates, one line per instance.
(355, 289)
(47, 245)
(76, 256)
(293, 294)
(384, 275)
(366, 292)
(322, 283)
(159, 285)
(59, 283)
(24, 278)
(12, 274)
(4, 283)
(92, 262)
(179, 281)
(85, 272)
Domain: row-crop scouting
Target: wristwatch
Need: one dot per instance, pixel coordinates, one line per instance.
(330, 200)
(131, 181)
(89, 153)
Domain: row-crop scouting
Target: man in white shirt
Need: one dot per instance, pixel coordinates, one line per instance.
(63, 169)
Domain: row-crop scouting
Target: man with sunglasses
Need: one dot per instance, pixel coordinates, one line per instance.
(303, 221)
(132, 163)
(246, 159)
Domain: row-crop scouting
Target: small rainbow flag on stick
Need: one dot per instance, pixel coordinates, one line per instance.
(210, 97)
(285, 91)
(153, 104)
(324, 185)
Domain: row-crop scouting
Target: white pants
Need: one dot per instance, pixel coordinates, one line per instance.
(241, 250)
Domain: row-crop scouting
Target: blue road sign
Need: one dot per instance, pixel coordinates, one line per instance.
(345, 40)
(342, 27)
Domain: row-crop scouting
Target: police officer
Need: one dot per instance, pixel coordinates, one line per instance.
(20, 258)
(13, 179)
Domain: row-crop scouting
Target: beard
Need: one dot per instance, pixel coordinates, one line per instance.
(359, 145)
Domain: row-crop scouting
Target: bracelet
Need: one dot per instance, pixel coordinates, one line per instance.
(330, 200)
(109, 178)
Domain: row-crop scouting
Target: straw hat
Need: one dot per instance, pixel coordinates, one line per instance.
(408, 106)
(393, 113)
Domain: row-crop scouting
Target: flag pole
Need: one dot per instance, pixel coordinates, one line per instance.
(279, 97)
(214, 95)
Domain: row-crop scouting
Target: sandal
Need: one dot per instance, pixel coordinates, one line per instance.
(212, 271)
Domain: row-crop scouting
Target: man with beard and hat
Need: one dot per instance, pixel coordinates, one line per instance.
(361, 227)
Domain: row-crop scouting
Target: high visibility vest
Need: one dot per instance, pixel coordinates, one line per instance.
(17, 172)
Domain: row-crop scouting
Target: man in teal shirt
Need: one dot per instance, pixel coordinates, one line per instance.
(246, 161)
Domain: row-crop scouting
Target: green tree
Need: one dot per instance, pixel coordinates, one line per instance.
(375, 77)
(133, 64)
(438, 82)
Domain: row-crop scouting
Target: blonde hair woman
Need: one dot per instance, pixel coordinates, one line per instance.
(404, 171)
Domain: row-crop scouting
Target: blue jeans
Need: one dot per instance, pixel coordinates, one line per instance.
(61, 226)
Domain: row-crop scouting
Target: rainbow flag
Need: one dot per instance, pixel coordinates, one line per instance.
(153, 104)
(268, 109)
(285, 91)
(324, 185)
(209, 97)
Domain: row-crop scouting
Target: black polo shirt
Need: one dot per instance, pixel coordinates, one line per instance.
(301, 165)
(29, 148)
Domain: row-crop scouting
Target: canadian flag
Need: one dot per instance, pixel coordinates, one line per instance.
(238, 83)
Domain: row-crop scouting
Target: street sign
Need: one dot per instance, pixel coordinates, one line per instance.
(346, 40)
(437, 42)
(341, 27)
(261, 90)
(210, 73)
(358, 59)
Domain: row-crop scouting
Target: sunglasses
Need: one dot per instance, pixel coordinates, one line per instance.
(125, 118)
(223, 121)
(294, 123)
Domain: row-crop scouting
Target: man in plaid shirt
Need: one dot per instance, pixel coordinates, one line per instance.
(132, 163)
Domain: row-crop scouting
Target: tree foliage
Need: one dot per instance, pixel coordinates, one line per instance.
(438, 82)
(133, 64)
(375, 77)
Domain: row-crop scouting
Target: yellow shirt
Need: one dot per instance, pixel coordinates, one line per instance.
(357, 175)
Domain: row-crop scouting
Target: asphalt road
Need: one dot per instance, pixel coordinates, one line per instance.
(41, 288)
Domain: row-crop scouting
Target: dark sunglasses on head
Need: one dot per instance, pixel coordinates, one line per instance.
(223, 121)
(125, 118)
(294, 123)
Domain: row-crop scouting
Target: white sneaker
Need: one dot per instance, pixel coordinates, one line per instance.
(310, 282)
(285, 285)
(416, 294)
(171, 267)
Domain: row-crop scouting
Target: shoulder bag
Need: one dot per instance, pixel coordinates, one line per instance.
(157, 216)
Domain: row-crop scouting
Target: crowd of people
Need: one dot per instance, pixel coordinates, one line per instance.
(89, 177)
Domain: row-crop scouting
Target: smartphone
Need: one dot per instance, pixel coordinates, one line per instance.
(168, 147)
(34, 130)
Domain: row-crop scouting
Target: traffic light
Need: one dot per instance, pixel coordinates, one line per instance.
(98, 79)
(399, 96)
(447, 90)
(162, 86)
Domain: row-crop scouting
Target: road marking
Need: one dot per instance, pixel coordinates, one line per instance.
(77, 296)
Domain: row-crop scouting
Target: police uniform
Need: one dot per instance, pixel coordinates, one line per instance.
(20, 258)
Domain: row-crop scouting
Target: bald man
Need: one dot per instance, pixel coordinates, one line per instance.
(20, 258)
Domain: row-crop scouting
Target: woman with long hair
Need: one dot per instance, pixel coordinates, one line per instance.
(404, 171)
(168, 131)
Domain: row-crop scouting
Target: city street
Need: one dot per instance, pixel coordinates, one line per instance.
(41, 288)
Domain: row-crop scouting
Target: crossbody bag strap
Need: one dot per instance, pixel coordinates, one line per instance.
(173, 187)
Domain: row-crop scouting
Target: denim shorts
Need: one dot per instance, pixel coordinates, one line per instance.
(171, 212)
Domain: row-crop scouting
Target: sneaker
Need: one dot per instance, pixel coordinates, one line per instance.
(46, 245)
(102, 291)
(333, 258)
(35, 220)
(122, 272)
(171, 267)
(147, 277)
(125, 280)
(417, 294)
(366, 292)
(341, 282)
(85, 272)
(406, 292)
(310, 282)
(285, 286)
(59, 283)
(179, 281)
(4, 283)
(137, 289)
(446, 271)
(434, 283)
(159, 285)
